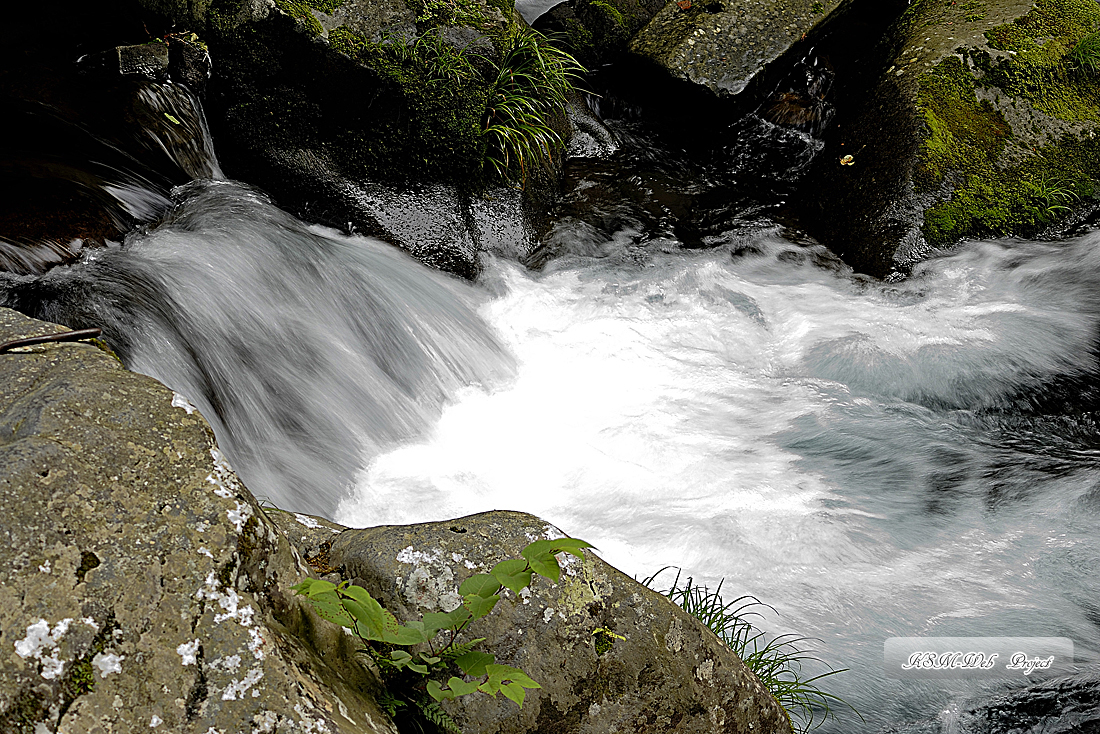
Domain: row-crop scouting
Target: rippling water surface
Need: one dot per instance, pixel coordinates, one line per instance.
(872, 460)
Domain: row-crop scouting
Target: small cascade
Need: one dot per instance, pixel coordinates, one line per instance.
(306, 351)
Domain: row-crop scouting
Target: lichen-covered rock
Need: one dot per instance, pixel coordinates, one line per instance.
(982, 122)
(723, 44)
(610, 654)
(141, 586)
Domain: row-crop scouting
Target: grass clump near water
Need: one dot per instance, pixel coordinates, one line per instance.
(777, 661)
(532, 84)
(487, 117)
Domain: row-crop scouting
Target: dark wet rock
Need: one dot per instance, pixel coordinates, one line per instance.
(976, 122)
(141, 584)
(148, 59)
(598, 31)
(666, 674)
(721, 44)
(1069, 705)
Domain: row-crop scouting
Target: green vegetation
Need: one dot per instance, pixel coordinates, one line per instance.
(416, 677)
(530, 89)
(776, 661)
(1085, 56)
(496, 116)
(1049, 67)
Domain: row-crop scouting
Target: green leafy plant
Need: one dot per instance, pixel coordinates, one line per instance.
(421, 655)
(1055, 195)
(1086, 54)
(533, 81)
(777, 661)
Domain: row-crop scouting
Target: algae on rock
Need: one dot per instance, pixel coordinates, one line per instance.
(979, 124)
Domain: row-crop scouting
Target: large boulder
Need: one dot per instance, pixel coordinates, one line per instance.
(980, 121)
(723, 44)
(326, 103)
(141, 585)
(609, 653)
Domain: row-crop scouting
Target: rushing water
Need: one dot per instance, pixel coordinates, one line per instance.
(871, 459)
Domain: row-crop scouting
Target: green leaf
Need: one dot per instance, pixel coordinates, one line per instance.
(435, 621)
(545, 565)
(332, 613)
(458, 616)
(569, 545)
(404, 636)
(514, 691)
(429, 659)
(479, 606)
(435, 690)
(173, 119)
(473, 663)
(538, 548)
(316, 587)
(490, 687)
(502, 673)
(481, 584)
(422, 669)
(400, 656)
(461, 687)
(512, 574)
(374, 622)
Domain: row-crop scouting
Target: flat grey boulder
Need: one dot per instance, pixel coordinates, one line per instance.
(722, 44)
(142, 588)
(610, 654)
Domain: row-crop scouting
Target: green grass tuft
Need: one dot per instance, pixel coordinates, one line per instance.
(776, 661)
(533, 81)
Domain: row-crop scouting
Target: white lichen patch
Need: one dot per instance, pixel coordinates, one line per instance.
(308, 521)
(229, 663)
(239, 516)
(223, 479)
(309, 724)
(155, 722)
(45, 567)
(91, 623)
(178, 401)
(705, 672)
(238, 688)
(206, 552)
(188, 652)
(418, 558)
(228, 600)
(525, 594)
(256, 643)
(108, 663)
(548, 614)
(39, 641)
(264, 723)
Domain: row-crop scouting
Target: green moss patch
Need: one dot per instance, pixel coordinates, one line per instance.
(1037, 77)
(964, 134)
(1040, 67)
(437, 130)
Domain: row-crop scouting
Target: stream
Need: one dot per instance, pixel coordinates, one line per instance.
(677, 375)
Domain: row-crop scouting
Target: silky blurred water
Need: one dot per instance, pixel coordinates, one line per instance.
(867, 458)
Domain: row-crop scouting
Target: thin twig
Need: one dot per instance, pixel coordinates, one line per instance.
(64, 336)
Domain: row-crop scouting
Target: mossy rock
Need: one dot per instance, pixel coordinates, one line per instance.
(609, 653)
(980, 124)
(141, 583)
(314, 99)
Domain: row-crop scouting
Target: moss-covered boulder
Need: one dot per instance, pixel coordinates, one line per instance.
(598, 31)
(723, 44)
(983, 121)
(142, 588)
(609, 653)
